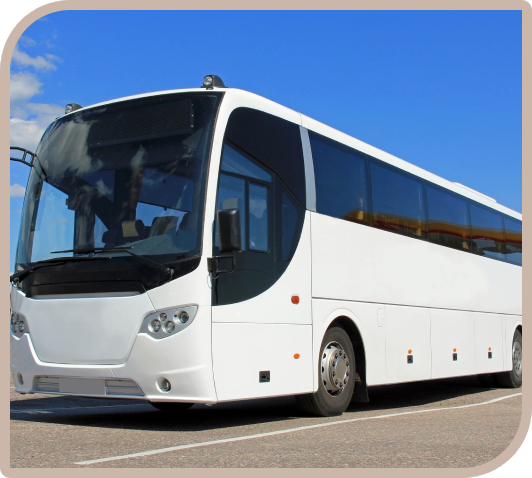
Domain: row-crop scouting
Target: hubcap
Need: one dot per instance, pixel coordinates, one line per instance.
(516, 354)
(335, 368)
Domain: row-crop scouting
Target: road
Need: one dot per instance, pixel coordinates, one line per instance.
(442, 423)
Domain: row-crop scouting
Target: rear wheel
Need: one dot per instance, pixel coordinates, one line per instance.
(171, 406)
(336, 375)
(514, 378)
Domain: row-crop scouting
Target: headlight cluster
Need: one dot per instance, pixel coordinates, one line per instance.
(168, 322)
(19, 324)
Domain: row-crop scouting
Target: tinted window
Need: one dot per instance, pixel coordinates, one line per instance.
(341, 180)
(274, 142)
(448, 219)
(235, 162)
(258, 218)
(513, 242)
(398, 201)
(487, 232)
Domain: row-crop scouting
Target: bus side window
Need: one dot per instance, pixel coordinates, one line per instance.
(341, 180)
(398, 201)
(448, 219)
(487, 231)
(513, 242)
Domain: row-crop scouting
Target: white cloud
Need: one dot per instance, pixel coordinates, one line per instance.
(27, 41)
(22, 59)
(17, 191)
(24, 133)
(29, 120)
(23, 86)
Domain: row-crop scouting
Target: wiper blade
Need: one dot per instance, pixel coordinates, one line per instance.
(97, 250)
(17, 276)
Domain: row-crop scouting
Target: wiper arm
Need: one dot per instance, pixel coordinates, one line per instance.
(97, 250)
(17, 276)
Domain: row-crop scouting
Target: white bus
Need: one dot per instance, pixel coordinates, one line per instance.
(208, 245)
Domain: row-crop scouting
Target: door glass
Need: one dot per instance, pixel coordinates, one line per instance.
(258, 218)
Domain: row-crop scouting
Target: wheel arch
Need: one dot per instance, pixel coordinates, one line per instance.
(350, 323)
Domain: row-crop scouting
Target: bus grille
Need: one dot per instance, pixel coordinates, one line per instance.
(113, 387)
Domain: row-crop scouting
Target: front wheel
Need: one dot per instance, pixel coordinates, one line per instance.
(171, 406)
(336, 376)
(514, 378)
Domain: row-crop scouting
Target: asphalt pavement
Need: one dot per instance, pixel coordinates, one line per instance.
(442, 423)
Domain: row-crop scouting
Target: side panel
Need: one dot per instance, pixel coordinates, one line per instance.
(242, 351)
(452, 330)
(488, 338)
(360, 263)
(407, 328)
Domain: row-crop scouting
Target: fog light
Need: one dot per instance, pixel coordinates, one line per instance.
(183, 316)
(156, 325)
(165, 385)
(21, 327)
(169, 326)
(19, 378)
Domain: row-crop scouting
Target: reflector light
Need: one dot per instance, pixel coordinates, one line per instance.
(296, 356)
(295, 299)
(410, 351)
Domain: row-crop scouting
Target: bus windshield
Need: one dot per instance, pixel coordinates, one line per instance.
(128, 174)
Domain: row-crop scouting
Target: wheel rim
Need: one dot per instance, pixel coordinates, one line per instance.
(335, 368)
(517, 357)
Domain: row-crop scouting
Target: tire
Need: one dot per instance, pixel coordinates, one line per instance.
(171, 406)
(514, 378)
(336, 355)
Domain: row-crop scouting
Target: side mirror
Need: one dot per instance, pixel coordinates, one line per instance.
(24, 157)
(229, 231)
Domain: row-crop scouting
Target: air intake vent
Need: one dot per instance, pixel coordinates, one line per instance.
(47, 384)
(122, 388)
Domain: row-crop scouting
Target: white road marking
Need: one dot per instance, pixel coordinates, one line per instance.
(51, 410)
(282, 432)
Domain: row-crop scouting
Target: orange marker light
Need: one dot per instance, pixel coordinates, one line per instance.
(410, 351)
(296, 356)
(295, 299)
(489, 348)
(454, 350)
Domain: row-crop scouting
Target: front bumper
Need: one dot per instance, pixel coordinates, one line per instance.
(184, 360)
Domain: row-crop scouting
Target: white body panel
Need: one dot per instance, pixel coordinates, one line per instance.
(60, 327)
(407, 328)
(367, 264)
(241, 351)
(450, 330)
(488, 337)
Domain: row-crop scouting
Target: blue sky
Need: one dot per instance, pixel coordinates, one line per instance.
(441, 90)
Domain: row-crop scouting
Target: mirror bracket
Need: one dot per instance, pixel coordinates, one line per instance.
(213, 264)
(23, 159)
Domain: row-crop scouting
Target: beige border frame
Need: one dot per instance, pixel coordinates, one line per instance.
(513, 459)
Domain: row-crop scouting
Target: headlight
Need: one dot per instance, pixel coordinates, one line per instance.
(167, 323)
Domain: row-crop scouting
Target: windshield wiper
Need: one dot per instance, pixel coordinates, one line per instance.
(97, 250)
(17, 276)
